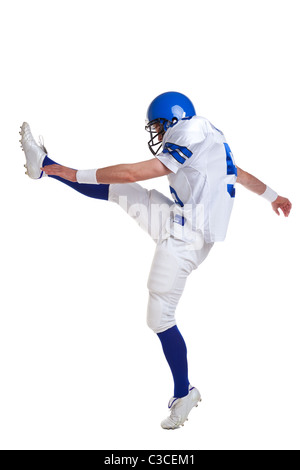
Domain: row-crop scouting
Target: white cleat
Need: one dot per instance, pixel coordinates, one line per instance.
(34, 153)
(181, 408)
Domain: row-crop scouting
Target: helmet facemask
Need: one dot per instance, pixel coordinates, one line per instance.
(156, 128)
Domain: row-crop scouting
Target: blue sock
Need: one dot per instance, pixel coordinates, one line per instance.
(96, 191)
(176, 354)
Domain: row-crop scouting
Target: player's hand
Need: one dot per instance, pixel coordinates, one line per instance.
(283, 204)
(62, 171)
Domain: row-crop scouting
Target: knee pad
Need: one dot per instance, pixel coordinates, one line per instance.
(162, 298)
(154, 312)
(161, 313)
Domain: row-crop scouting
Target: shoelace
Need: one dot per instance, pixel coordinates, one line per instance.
(41, 143)
(174, 418)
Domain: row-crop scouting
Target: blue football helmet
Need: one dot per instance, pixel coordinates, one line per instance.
(164, 112)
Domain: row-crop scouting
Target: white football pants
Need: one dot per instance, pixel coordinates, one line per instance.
(174, 258)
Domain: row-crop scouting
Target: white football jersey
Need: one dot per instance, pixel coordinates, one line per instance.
(203, 176)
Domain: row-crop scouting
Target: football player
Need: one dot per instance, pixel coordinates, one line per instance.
(202, 173)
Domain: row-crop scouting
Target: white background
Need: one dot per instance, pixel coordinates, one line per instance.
(79, 367)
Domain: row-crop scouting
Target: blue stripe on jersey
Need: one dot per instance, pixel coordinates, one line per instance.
(231, 190)
(176, 198)
(176, 151)
(177, 156)
(231, 168)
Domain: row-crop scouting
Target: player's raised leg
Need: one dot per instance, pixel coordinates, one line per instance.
(149, 209)
(36, 158)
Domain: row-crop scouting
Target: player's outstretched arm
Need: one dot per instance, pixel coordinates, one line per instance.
(124, 173)
(258, 187)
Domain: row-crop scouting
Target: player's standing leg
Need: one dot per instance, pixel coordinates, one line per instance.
(174, 260)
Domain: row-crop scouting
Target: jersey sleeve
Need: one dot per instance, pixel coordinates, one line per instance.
(174, 156)
(180, 144)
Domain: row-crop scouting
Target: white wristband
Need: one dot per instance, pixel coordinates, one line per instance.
(270, 195)
(87, 176)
